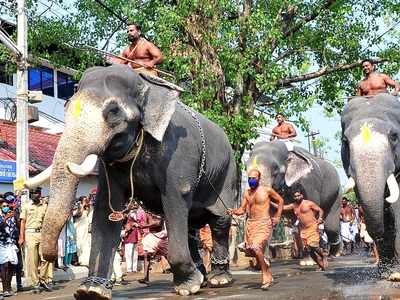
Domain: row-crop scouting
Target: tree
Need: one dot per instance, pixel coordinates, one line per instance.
(235, 55)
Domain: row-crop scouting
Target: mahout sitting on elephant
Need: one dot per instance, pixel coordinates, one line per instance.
(370, 155)
(281, 168)
(173, 157)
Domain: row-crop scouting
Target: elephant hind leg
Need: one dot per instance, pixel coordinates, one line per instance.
(220, 275)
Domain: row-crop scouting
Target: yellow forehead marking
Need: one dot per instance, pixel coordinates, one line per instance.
(77, 107)
(253, 164)
(366, 133)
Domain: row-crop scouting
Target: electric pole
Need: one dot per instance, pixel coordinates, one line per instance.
(22, 160)
(312, 134)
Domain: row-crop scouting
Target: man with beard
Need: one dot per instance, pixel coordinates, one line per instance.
(375, 83)
(32, 215)
(283, 130)
(256, 202)
(145, 53)
(306, 211)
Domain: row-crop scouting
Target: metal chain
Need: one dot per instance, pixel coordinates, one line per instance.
(93, 280)
(203, 144)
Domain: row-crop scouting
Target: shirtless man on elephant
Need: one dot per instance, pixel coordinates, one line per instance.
(256, 201)
(375, 83)
(283, 130)
(145, 53)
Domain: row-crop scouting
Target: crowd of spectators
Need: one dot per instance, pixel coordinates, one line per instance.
(20, 231)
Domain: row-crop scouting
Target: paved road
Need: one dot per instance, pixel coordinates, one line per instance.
(347, 278)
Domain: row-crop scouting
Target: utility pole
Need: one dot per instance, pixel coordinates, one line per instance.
(22, 93)
(312, 134)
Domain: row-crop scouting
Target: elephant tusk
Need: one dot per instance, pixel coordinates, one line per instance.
(393, 189)
(349, 185)
(84, 168)
(38, 179)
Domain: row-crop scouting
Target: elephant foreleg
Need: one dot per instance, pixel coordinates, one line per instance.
(332, 228)
(105, 239)
(194, 252)
(395, 214)
(220, 275)
(187, 278)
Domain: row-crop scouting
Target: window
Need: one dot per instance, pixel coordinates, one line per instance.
(41, 79)
(4, 76)
(65, 85)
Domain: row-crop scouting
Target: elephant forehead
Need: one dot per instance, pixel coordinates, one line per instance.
(369, 142)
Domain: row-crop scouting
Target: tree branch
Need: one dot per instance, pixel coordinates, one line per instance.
(323, 71)
(309, 18)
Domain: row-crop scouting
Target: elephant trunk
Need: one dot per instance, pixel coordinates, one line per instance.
(372, 167)
(63, 186)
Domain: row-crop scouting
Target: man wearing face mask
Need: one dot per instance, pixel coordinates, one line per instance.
(256, 202)
(32, 216)
(145, 53)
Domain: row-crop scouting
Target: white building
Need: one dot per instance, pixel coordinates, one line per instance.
(57, 85)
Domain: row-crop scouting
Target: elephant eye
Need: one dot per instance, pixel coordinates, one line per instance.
(393, 137)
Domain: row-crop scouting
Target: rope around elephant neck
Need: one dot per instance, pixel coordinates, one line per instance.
(137, 146)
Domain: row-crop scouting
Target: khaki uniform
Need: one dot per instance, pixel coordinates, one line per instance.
(37, 268)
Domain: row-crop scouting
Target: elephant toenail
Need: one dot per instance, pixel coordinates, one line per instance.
(183, 292)
(194, 289)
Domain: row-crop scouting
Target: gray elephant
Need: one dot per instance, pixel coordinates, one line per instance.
(176, 160)
(280, 168)
(370, 155)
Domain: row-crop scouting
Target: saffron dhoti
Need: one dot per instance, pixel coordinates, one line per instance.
(310, 235)
(258, 232)
(206, 238)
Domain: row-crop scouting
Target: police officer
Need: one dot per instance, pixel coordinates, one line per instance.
(32, 216)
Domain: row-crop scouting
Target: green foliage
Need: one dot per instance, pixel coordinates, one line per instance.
(258, 49)
(351, 196)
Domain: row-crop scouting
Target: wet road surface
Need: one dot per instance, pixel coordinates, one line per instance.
(350, 277)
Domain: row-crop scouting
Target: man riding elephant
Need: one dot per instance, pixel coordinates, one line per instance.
(153, 147)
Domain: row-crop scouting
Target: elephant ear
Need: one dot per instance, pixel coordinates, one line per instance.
(298, 165)
(158, 106)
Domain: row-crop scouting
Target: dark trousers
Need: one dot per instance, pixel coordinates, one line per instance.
(6, 273)
(18, 269)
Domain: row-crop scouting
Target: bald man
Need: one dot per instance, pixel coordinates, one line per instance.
(256, 202)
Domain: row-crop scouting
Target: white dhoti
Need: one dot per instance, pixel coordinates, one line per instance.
(8, 253)
(156, 243)
(347, 232)
(289, 145)
(83, 238)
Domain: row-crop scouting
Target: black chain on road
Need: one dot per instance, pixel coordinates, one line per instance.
(96, 281)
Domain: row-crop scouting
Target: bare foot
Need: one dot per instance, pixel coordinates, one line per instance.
(267, 284)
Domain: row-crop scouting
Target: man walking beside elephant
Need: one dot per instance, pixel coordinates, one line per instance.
(305, 211)
(256, 201)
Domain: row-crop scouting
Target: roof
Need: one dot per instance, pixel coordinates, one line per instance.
(42, 145)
